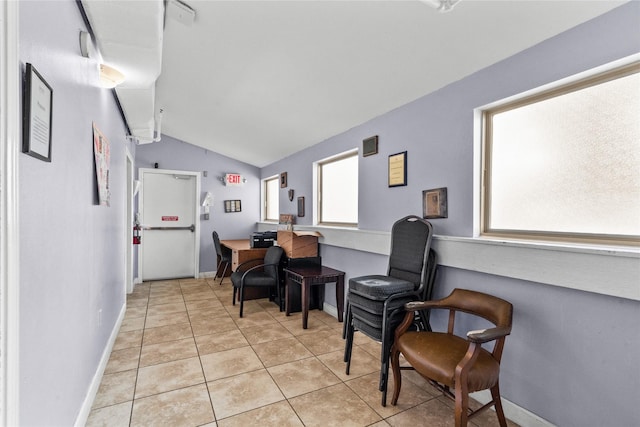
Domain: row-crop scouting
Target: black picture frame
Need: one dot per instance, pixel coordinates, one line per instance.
(37, 115)
(370, 146)
(434, 203)
(398, 169)
(231, 206)
(283, 180)
(301, 206)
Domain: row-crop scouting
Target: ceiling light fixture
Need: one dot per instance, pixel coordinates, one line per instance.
(441, 5)
(110, 77)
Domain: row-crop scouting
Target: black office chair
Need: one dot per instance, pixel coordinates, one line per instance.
(258, 273)
(375, 303)
(225, 255)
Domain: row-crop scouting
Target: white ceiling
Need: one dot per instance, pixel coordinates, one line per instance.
(260, 80)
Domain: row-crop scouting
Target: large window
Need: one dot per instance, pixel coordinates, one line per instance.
(271, 199)
(565, 164)
(337, 183)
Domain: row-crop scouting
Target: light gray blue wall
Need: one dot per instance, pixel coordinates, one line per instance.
(171, 153)
(572, 357)
(72, 251)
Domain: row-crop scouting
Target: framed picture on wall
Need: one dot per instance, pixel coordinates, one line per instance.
(300, 206)
(283, 180)
(434, 203)
(38, 112)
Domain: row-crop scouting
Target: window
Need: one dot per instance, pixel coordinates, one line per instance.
(271, 192)
(565, 164)
(337, 184)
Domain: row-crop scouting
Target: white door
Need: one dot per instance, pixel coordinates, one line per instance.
(169, 215)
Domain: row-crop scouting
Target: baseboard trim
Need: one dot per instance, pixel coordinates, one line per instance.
(513, 412)
(85, 410)
(329, 309)
(208, 274)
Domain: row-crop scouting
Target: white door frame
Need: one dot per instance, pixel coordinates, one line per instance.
(10, 127)
(128, 226)
(141, 172)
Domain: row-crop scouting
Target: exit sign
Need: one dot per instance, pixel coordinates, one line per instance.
(233, 179)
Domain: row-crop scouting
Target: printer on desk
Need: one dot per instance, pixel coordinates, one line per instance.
(263, 239)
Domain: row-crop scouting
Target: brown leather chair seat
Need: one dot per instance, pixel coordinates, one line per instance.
(436, 355)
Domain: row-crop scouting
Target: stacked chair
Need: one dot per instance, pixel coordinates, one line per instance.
(375, 303)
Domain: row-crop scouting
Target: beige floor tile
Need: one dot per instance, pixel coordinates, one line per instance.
(185, 407)
(132, 324)
(166, 319)
(362, 363)
(175, 307)
(366, 387)
(110, 416)
(302, 376)
(166, 333)
(335, 406)
(210, 312)
(123, 360)
(203, 304)
(165, 299)
(251, 320)
(432, 413)
(278, 414)
(128, 339)
(313, 326)
(138, 302)
(229, 363)
(115, 388)
(168, 376)
(212, 325)
(324, 341)
(154, 354)
(226, 340)
(281, 351)
(266, 333)
(195, 296)
(135, 311)
(235, 395)
(374, 348)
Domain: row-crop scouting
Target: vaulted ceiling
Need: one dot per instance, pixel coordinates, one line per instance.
(260, 80)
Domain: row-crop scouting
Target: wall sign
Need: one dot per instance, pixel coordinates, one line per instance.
(233, 179)
(169, 218)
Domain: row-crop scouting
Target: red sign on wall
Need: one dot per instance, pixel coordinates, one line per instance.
(169, 218)
(233, 179)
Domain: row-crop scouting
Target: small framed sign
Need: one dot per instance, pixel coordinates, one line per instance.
(398, 169)
(232, 206)
(434, 203)
(300, 206)
(370, 146)
(283, 180)
(37, 115)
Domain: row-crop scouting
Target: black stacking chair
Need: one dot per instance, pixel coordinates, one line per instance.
(225, 255)
(375, 303)
(258, 273)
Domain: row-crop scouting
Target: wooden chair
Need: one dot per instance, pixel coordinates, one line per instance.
(448, 361)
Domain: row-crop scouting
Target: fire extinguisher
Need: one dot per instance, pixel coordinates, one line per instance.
(136, 234)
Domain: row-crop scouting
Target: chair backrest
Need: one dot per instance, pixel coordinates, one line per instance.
(494, 309)
(273, 257)
(410, 244)
(216, 243)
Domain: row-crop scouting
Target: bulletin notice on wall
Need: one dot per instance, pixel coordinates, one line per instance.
(102, 154)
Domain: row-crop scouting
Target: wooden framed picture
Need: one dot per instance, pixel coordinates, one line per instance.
(283, 180)
(300, 206)
(434, 203)
(231, 206)
(398, 169)
(38, 112)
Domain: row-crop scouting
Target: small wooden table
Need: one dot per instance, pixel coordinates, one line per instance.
(310, 276)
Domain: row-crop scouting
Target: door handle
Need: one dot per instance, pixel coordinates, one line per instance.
(191, 228)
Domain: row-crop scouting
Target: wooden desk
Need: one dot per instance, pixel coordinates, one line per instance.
(241, 251)
(310, 276)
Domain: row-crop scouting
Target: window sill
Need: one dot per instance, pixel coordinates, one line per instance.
(607, 270)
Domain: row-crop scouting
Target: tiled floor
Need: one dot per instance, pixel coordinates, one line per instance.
(183, 357)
